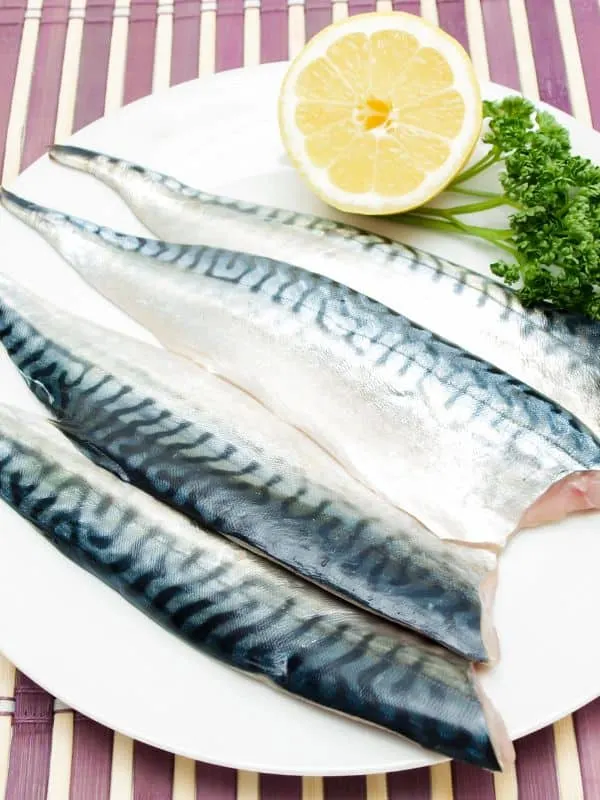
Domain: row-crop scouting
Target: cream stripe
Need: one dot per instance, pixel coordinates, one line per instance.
(567, 760)
(184, 779)
(575, 76)
(208, 36)
(161, 77)
(7, 678)
(384, 5)
(441, 781)
(339, 10)
(20, 99)
(70, 71)
(312, 788)
(117, 57)
(5, 737)
(296, 29)
(377, 787)
(7, 689)
(121, 778)
(59, 779)
(476, 34)
(248, 787)
(506, 786)
(525, 60)
(429, 11)
(251, 36)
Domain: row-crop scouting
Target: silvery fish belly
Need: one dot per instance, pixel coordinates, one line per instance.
(464, 447)
(556, 354)
(214, 453)
(240, 608)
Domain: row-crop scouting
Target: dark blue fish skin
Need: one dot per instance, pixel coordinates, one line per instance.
(554, 352)
(240, 608)
(400, 407)
(213, 477)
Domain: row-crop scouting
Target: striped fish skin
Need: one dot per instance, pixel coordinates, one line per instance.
(462, 446)
(557, 354)
(212, 452)
(238, 607)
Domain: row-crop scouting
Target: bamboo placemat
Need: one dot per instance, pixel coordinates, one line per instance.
(64, 64)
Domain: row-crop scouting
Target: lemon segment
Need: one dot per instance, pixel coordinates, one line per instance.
(379, 112)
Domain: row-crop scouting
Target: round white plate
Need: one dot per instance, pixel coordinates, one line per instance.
(86, 645)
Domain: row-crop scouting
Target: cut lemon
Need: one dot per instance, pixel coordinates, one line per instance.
(379, 112)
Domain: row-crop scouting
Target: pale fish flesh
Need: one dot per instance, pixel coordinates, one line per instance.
(241, 609)
(214, 453)
(556, 354)
(464, 447)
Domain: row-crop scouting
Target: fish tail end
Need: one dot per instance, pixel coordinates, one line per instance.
(489, 635)
(502, 751)
(75, 157)
(17, 205)
(27, 211)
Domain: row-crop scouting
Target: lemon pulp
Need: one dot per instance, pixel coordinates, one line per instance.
(380, 111)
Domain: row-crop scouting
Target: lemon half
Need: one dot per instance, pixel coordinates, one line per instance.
(379, 112)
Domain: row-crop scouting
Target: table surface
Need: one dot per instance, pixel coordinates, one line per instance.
(65, 63)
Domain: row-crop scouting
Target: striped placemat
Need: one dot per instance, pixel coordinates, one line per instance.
(64, 64)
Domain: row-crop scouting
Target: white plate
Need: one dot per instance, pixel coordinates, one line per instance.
(87, 646)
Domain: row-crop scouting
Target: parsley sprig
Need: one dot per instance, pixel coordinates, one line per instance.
(551, 247)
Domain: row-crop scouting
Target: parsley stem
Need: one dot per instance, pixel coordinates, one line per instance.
(496, 236)
(473, 192)
(468, 208)
(479, 166)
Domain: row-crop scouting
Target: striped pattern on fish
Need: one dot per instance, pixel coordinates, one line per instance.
(241, 609)
(207, 449)
(401, 408)
(555, 353)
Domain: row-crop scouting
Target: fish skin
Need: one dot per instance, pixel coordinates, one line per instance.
(402, 409)
(557, 354)
(212, 452)
(240, 608)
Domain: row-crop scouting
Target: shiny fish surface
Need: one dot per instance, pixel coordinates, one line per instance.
(557, 354)
(240, 608)
(211, 451)
(464, 447)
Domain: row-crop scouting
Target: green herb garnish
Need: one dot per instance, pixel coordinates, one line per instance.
(552, 242)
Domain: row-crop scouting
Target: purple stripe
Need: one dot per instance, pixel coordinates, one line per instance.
(215, 783)
(93, 69)
(360, 6)
(92, 759)
(280, 787)
(29, 763)
(536, 770)
(414, 784)
(587, 730)
(351, 788)
(273, 30)
(186, 41)
(11, 28)
(140, 50)
(230, 34)
(470, 783)
(409, 6)
(317, 15)
(586, 14)
(500, 43)
(152, 773)
(548, 54)
(45, 85)
(453, 20)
